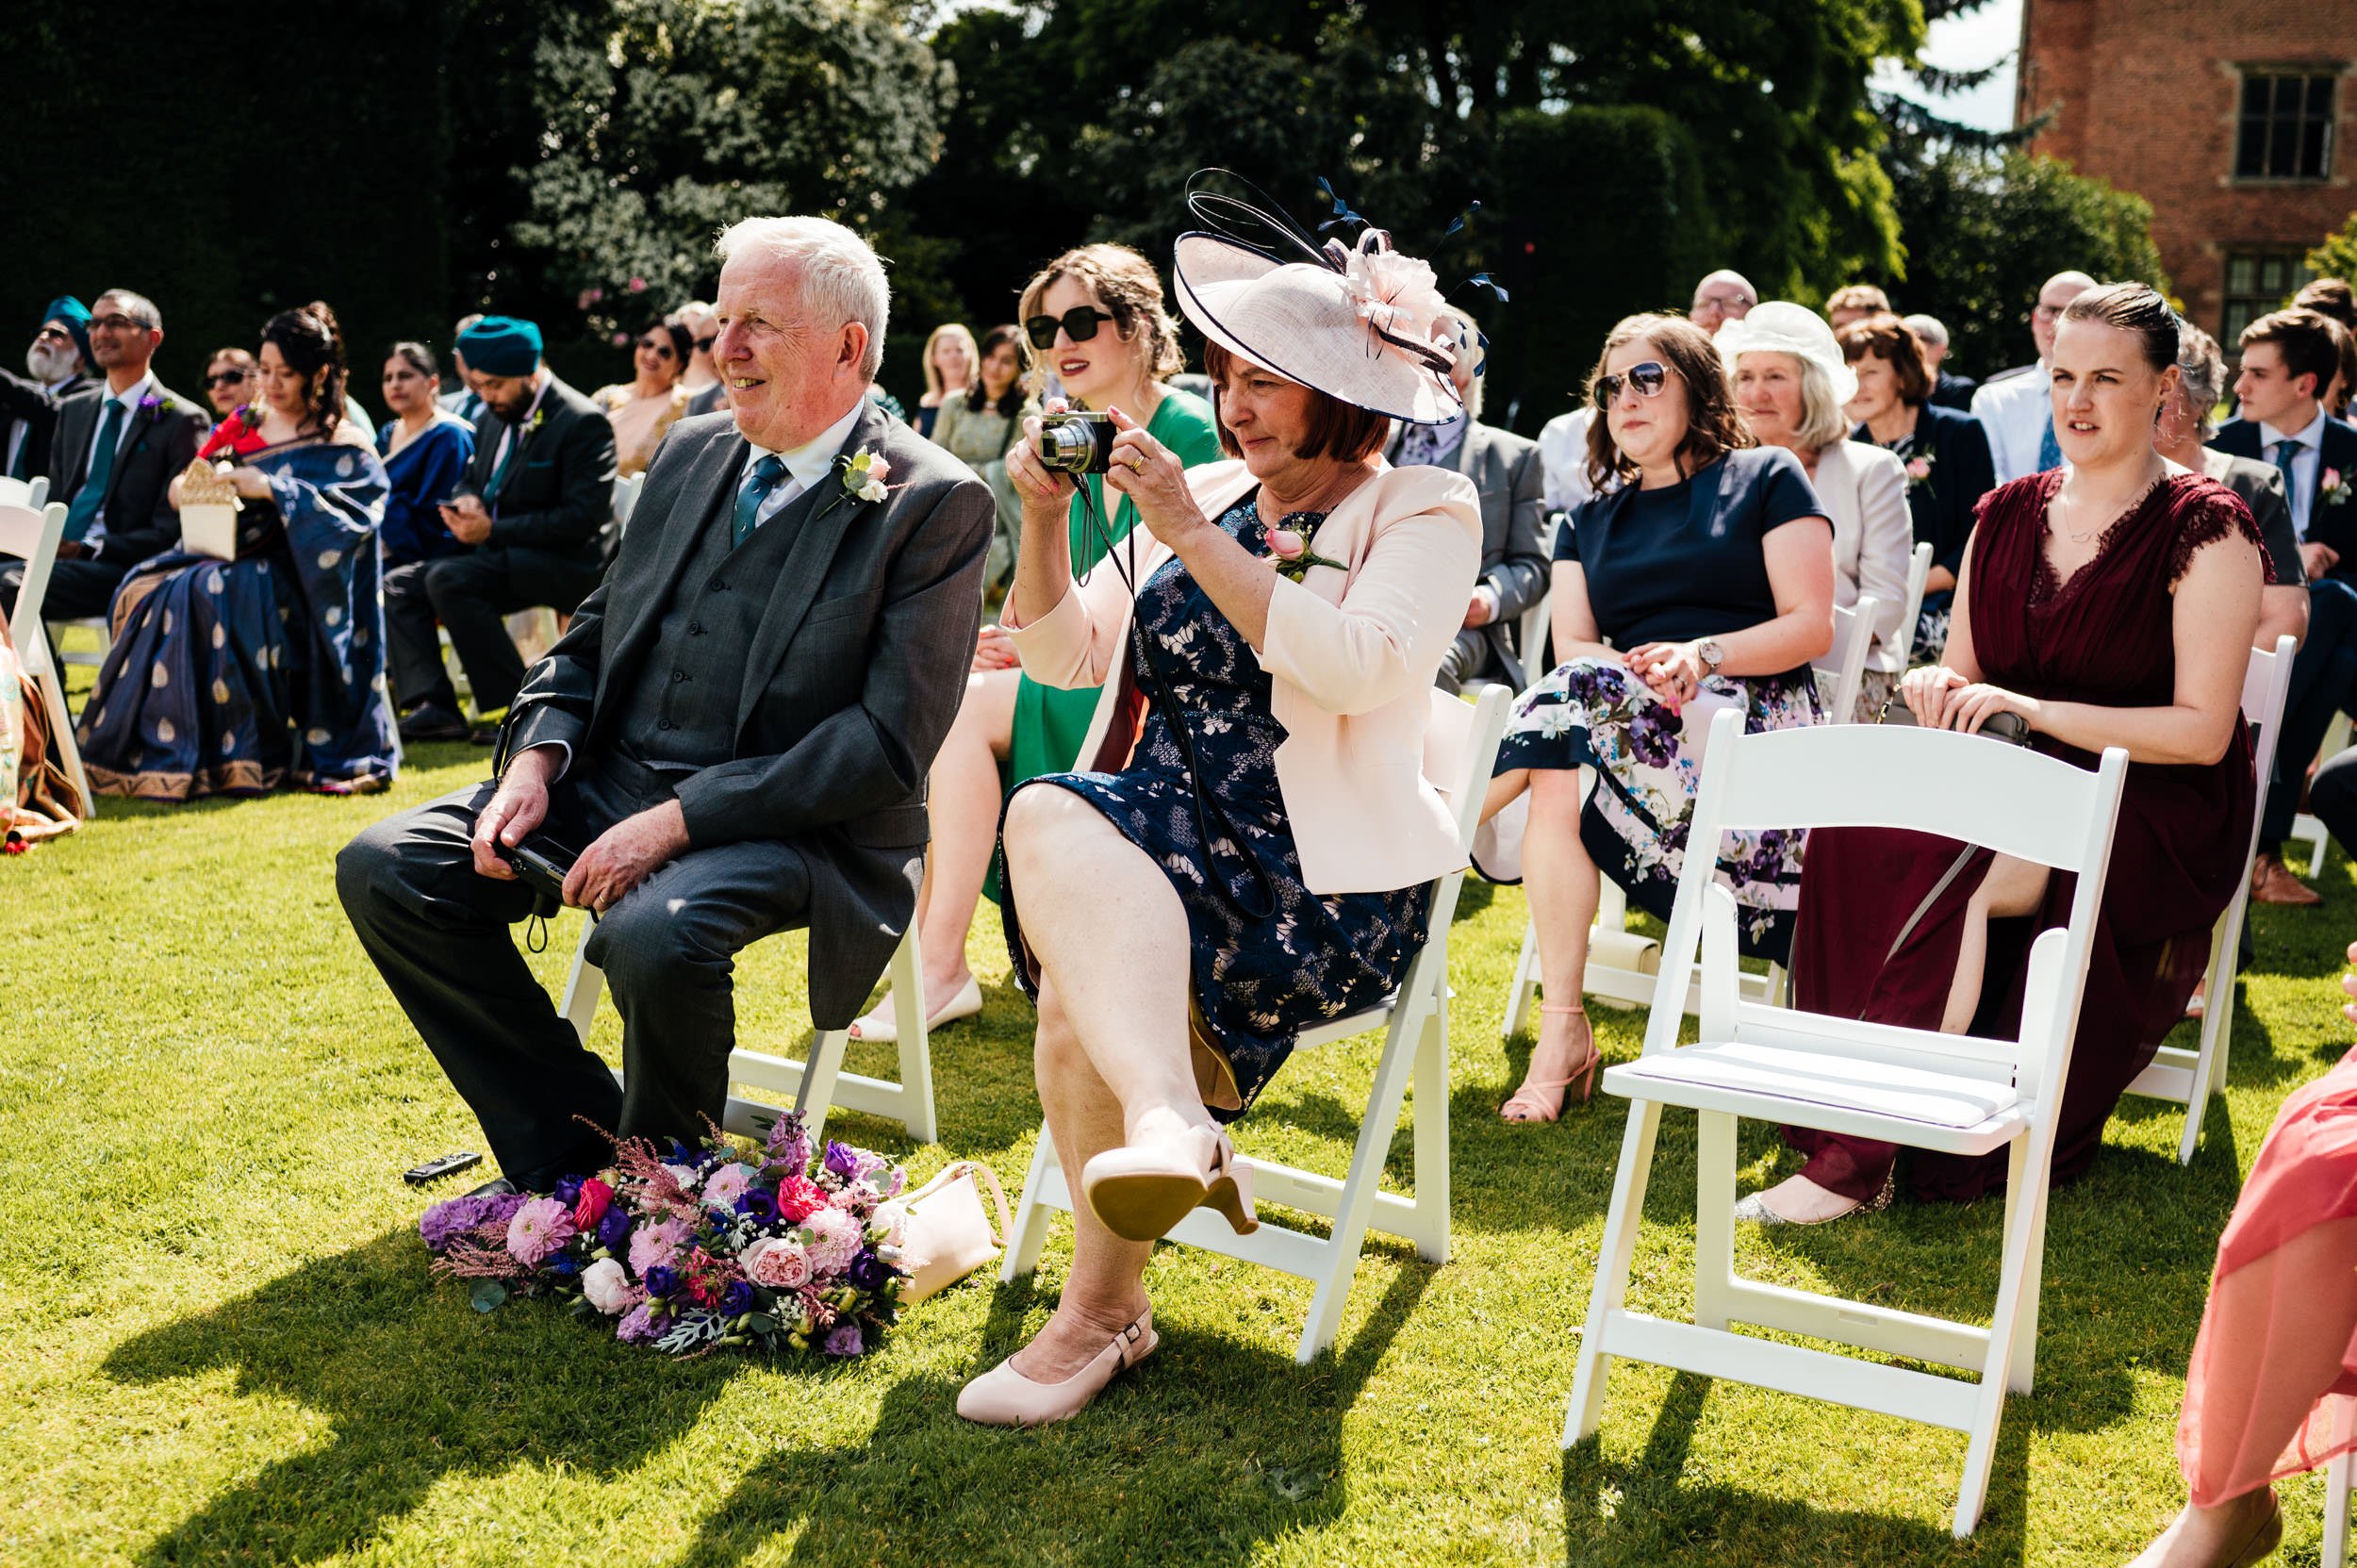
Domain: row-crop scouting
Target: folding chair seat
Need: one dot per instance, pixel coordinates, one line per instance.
(1955, 1093)
(32, 534)
(1460, 748)
(2191, 1077)
(2306, 827)
(817, 1084)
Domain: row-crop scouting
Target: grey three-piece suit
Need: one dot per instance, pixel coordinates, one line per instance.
(789, 692)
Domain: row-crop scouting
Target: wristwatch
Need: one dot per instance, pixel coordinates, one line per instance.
(1712, 655)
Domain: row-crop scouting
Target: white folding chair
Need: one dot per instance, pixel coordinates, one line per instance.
(2336, 1476)
(2191, 1077)
(1845, 661)
(1952, 1092)
(1919, 573)
(1461, 747)
(33, 536)
(818, 1084)
(2306, 827)
(626, 501)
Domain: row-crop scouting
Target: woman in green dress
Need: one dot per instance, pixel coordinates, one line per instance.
(1094, 319)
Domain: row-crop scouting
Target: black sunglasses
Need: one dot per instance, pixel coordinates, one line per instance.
(658, 344)
(1647, 378)
(706, 343)
(226, 378)
(1079, 325)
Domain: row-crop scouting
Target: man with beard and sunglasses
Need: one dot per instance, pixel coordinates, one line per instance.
(59, 365)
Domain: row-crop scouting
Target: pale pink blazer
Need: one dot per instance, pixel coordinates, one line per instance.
(1352, 655)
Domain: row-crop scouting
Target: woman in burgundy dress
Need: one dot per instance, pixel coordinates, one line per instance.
(2109, 602)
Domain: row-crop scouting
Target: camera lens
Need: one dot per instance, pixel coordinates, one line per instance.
(1076, 443)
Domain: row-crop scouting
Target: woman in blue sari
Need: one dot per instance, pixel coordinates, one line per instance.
(234, 677)
(426, 448)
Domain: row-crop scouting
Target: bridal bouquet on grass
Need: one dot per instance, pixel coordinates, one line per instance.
(785, 1247)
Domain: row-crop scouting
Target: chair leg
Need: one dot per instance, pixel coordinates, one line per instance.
(50, 680)
(1029, 1232)
(916, 1061)
(2018, 1278)
(1366, 1161)
(1432, 1145)
(2335, 1554)
(816, 1095)
(1586, 1411)
(1714, 1219)
(1525, 982)
(583, 987)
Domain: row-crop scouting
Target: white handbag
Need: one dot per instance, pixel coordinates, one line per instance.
(950, 1234)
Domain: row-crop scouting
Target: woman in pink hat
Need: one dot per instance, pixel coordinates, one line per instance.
(1261, 860)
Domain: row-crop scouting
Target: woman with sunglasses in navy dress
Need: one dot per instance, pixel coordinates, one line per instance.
(1097, 332)
(1702, 569)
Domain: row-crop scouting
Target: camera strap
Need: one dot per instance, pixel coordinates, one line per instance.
(1207, 808)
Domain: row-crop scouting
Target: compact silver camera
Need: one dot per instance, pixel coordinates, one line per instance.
(1076, 441)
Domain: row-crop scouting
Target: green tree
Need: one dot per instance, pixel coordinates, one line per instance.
(2338, 256)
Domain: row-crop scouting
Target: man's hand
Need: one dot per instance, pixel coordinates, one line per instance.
(71, 550)
(1484, 608)
(625, 856)
(467, 523)
(2317, 559)
(520, 805)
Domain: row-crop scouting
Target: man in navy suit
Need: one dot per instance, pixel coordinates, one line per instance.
(2288, 358)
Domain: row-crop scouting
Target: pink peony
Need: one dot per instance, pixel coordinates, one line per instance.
(778, 1264)
(659, 1243)
(799, 1198)
(1287, 544)
(835, 1237)
(540, 1228)
(609, 1289)
(596, 1198)
(724, 1186)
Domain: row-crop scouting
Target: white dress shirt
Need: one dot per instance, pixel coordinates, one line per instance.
(2014, 411)
(805, 466)
(2305, 458)
(96, 540)
(1563, 459)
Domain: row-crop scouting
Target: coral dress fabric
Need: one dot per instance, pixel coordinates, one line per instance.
(2273, 1388)
(2104, 638)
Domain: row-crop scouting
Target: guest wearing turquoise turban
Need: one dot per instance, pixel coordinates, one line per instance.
(59, 365)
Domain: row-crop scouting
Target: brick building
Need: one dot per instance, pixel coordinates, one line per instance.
(2231, 117)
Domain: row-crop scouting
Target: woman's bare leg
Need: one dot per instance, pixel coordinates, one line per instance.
(1106, 1288)
(962, 798)
(1560, 880)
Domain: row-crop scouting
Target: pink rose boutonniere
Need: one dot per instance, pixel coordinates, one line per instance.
(1919, 470)
(1289, 550)
(2334, 489)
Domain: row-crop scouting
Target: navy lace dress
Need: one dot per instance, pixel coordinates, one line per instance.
(1259, 981)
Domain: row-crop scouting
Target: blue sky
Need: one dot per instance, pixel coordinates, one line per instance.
(1965, 42)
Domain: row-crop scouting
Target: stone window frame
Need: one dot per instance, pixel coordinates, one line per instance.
(2254, 301)
(2330, 71)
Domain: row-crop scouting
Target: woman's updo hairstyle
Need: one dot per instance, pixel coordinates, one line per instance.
(310, 343)
(2132, 308)
(1714, 426)
(417, 357)
(1126, 283)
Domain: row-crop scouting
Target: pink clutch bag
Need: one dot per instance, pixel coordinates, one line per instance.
(950, 1234)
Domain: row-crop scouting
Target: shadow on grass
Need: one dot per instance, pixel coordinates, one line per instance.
(1186, 1458)
(416, 1389)
(1648, 1512)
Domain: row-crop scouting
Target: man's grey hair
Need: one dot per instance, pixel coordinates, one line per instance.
(843, 279)
(1930, 329)
(2205, 369)
(136, 306)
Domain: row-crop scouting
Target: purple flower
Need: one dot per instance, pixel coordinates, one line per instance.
(868, 1272)
(640, 1325)
(845, 1340)
(564, 1265)
(568, 1190)
(760, 1203)
(613, 1229)
(737, 1299)
(662, 1281)
(788, 1144)
(842, 1161)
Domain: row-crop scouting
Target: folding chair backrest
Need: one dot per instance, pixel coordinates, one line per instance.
(15, 492)
(32, 534)
(1461, 747)
(1919, 573)
(626, 499)
(1971, 788)
(1853, 636)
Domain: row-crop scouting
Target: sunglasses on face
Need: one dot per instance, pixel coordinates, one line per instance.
(706, 343)
(53, 335)
(662, 349)
(1646, 379)
(1079, 324)
(224, 378)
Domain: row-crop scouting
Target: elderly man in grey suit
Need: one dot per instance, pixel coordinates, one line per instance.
(1506, 470)
(735, 732)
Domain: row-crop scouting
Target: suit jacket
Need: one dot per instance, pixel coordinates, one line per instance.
(1953, 391)
(462, 403)
(856, 668)
(26, 403)
(1510, 477)
(2332, 524)
(1351, 654)
(712, 400)
(2260, 487)
(558, 493)
(1864, 492)
(163, 439)
(1962, 470)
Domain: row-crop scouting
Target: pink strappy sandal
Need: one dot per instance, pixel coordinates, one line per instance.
(1545, 1101)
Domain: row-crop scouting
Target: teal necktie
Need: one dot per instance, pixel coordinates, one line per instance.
(2049, 451)
(2285, 450)
(499, 472)
(93, 495)
(758, 488)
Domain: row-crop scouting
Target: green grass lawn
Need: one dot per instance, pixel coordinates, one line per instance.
(225, 1346)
